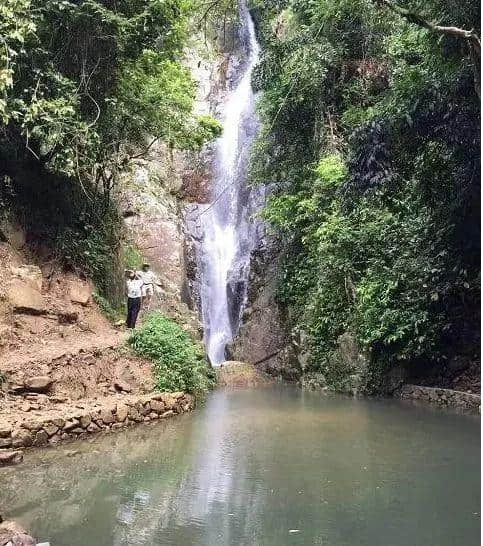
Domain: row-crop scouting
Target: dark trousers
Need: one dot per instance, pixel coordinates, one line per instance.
(133, 306)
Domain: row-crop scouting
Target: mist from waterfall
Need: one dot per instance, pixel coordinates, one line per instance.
(228, 231)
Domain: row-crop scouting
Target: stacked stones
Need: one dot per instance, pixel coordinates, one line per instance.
(96, 417)
(444, 397)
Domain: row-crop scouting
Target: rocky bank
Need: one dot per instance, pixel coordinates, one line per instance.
(64, 421)
(268, 340)
(65, 369)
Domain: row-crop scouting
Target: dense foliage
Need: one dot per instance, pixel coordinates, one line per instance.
(179, 363)
(371, 137)
(84, 87)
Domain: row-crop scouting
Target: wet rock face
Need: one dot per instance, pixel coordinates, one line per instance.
(236, 290)
(264, 338)
(150, 196)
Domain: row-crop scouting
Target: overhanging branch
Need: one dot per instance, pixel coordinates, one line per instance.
(472, 39)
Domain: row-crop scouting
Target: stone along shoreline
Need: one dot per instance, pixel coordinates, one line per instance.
(79, 420)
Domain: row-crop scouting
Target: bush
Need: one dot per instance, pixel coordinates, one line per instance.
(179, 363)
(370, 141)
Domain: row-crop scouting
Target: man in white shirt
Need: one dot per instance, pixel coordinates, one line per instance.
(149, 280)
(134, 286)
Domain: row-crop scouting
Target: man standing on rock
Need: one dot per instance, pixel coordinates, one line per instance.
(149, 280)
(134, 286)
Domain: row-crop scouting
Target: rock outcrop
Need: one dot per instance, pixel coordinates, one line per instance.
(233, 374)
(24, 298)
(264, 338)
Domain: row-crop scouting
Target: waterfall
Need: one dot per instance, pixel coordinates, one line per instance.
(228, 230)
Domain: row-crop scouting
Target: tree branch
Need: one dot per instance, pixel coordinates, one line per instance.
(472, 39)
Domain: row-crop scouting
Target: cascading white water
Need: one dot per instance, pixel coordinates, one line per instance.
(228, 231)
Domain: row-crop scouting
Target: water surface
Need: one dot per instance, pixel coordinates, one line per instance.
(271, 467)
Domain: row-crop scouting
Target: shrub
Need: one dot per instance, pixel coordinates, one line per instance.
(179, 363)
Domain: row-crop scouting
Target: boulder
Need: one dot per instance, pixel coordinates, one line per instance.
(24, 298)
(85, 421)
(32, 425)
(72, 423)
(22, 438)
(51, 429)
(8, 529)
(168, 400)
(41, 438)
(38, 383)
(58, 422)
(236, 374)
(122, 386)
(121, 412)
(135, 415)
(157, 406)
(10, 457)
(79, 292)
(106, 416)
(77, 430)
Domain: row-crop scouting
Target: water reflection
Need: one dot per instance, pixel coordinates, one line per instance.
(251, 466)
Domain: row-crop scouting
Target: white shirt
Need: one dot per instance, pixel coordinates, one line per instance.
(134, 287)
(148, 277)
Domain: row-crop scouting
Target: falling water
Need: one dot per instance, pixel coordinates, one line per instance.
(229, 232)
